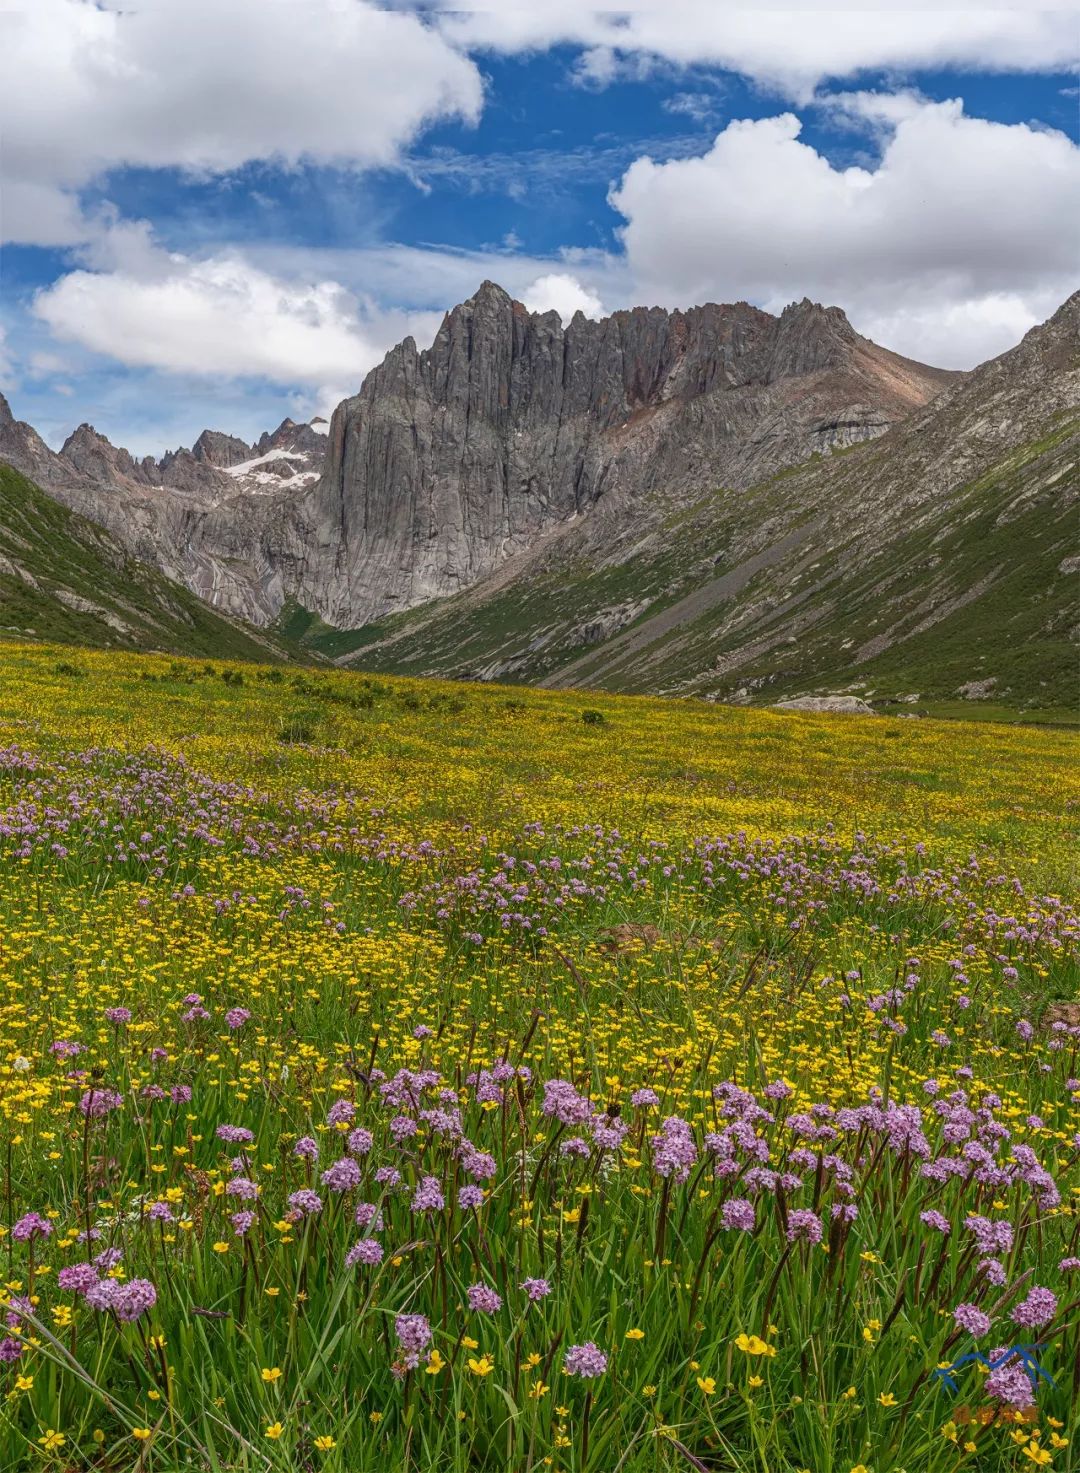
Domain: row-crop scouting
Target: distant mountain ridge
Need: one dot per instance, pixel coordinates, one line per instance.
(718, 502)
(194, 514)
(452, 460)
(216, 463)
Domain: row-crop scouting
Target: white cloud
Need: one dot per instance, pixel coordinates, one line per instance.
(433, 280)
(33, 213)
(208, 85)
(791, 47)
(964, 231)
(560, 292)
(7, 365)
(225, 317)
(958, 334)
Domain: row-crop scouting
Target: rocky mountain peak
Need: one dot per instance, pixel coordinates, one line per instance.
(215, 448)
(95, 456)
(488, 294)
(811, 338)
(452, 459)
(6, 416)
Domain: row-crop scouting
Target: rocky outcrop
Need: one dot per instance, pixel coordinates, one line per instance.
(840, 705)
(938, 557)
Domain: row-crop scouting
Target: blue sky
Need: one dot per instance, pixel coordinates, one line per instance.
(222, 234)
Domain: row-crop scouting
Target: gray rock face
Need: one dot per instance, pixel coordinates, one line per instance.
(977, 690)
(843, 705)
(452, 460)
(508, 428)
(214, 448)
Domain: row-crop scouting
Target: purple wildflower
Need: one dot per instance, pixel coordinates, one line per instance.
(368, 1250)
(1009, 1383)
(972, 1319)
(935, 1220)
(340, 1112)
(235, 1135)
(414, 1336)
(96, 1103)
(803, 1224)
(586, 1360)
(483, 1300)
(78, 1277)
(1038, 1309)
(127, 1300)
(342, 1176)
(33, 1225)
(428, 1196)
(737, 1213)
(306, 1202)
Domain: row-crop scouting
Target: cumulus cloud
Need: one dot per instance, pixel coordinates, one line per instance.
(792, 48)
(206, 86)
(224, 316)
(7, 366)
(560, 292)
(960, 237)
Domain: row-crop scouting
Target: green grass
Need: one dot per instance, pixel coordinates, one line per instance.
(397, 875)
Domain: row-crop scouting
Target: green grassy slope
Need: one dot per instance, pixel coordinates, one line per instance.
(65, 580)
(972, 585)
(984, 590)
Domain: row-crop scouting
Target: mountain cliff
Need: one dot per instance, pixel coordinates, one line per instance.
(937, 563)
(452, 461)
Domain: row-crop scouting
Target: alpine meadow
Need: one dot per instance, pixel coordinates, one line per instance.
(410, 1075)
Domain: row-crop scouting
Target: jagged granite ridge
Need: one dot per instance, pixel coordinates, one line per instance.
(452, 460)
